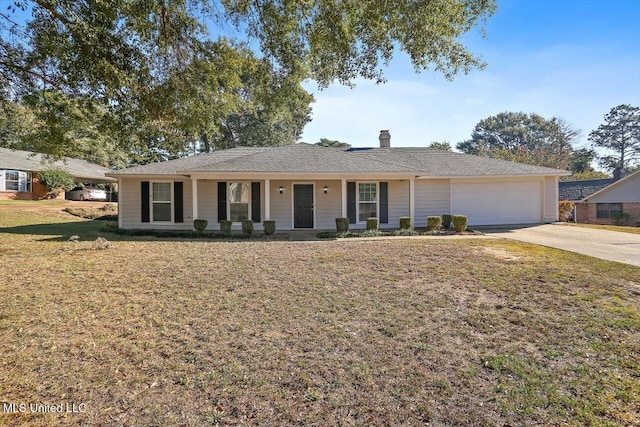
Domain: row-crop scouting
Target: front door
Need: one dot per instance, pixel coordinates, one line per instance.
(302, 205)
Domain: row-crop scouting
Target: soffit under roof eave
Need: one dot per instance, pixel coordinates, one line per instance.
(300, 175)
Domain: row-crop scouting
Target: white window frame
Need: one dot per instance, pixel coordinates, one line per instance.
(249, 205)
(152, 203)
(25, 181)
(377, 183)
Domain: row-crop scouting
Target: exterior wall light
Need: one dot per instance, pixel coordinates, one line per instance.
(326, 189)
(281, 189)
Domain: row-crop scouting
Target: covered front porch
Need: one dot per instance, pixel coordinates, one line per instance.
(302, 203)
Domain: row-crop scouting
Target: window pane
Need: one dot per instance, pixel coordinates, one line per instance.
(367, 210)
(615, 207)
(162, 211)
(161, 191)
(11, 180)
(239, 192)
(367, 192)
(239, 211)
(602, 210)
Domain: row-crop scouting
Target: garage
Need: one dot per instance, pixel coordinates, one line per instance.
(490, 203)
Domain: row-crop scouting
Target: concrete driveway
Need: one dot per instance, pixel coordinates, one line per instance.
(604, 244)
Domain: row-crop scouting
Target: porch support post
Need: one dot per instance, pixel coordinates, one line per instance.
(194, 199)
(119, 204)
(344, 198)
(267, 199)
(412, 201)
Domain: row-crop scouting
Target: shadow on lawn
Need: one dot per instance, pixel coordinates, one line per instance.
(92, 229)
(61, 231)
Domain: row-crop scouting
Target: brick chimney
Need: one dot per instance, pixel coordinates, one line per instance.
(618, 173)
(385, 139)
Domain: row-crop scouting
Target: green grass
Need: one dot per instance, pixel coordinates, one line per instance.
(346, 332)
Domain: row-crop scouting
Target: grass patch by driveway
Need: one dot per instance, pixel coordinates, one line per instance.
(467, 332)
(620, 228)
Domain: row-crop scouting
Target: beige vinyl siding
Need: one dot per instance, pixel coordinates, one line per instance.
(398, 202)
(433, 197)
(130, 205)
(550, 199)
(208, 202)
(328, 206)
(281, 204)
(626, 191)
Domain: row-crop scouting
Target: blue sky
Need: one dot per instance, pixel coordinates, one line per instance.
(572, 59)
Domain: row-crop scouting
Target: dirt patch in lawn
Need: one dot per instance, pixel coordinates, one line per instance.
(393, 332)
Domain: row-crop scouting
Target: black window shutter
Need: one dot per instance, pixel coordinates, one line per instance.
(178, 204)
(255, 201)
(384, 203)
(144, 199)
(351, 202)
(222, 201)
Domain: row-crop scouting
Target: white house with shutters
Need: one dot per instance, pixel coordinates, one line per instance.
(307, 187)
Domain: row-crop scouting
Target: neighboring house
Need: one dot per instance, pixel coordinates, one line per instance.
(19, 173)
(606, 205)
(306, 186)
(574, 191)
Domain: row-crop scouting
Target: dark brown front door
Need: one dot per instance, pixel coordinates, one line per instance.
(303, 205)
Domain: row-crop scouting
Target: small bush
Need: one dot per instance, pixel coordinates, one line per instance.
(405, 232)
(200, 225)
(620, 217)
(459, 222)
(372, 224)
(225, 226)
(434, 223)
(247, 227)
(405, 223)
(565, 207)
(446, 221)
(370, 233)
(56, 180)
(111, 224)
(269, 227)
(342, 225)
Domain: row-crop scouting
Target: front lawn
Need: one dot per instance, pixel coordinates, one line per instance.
(349, 332)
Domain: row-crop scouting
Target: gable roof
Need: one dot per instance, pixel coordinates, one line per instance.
(578, 190)
(306, 158)
(613, 185)
(35, 162)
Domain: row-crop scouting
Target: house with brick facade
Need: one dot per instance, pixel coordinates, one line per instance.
(617, 203)
(19, 173)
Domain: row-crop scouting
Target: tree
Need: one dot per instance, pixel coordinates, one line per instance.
(621, 134)
(524, 138)
(580, 160)
(324, 142)
(117, 54)
(445, 145)
(56, 180)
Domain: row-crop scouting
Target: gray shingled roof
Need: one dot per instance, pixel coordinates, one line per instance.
(578, 190)
(171, 167)
(303, 158)
(439, 163)
(34, 162)
(306, 158)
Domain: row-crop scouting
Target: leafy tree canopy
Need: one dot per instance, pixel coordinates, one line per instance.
(620, 134)
(157, 81)
(524, 138)
(445, 145)
(324, 142)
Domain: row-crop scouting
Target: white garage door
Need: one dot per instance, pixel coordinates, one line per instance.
(498, 203)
